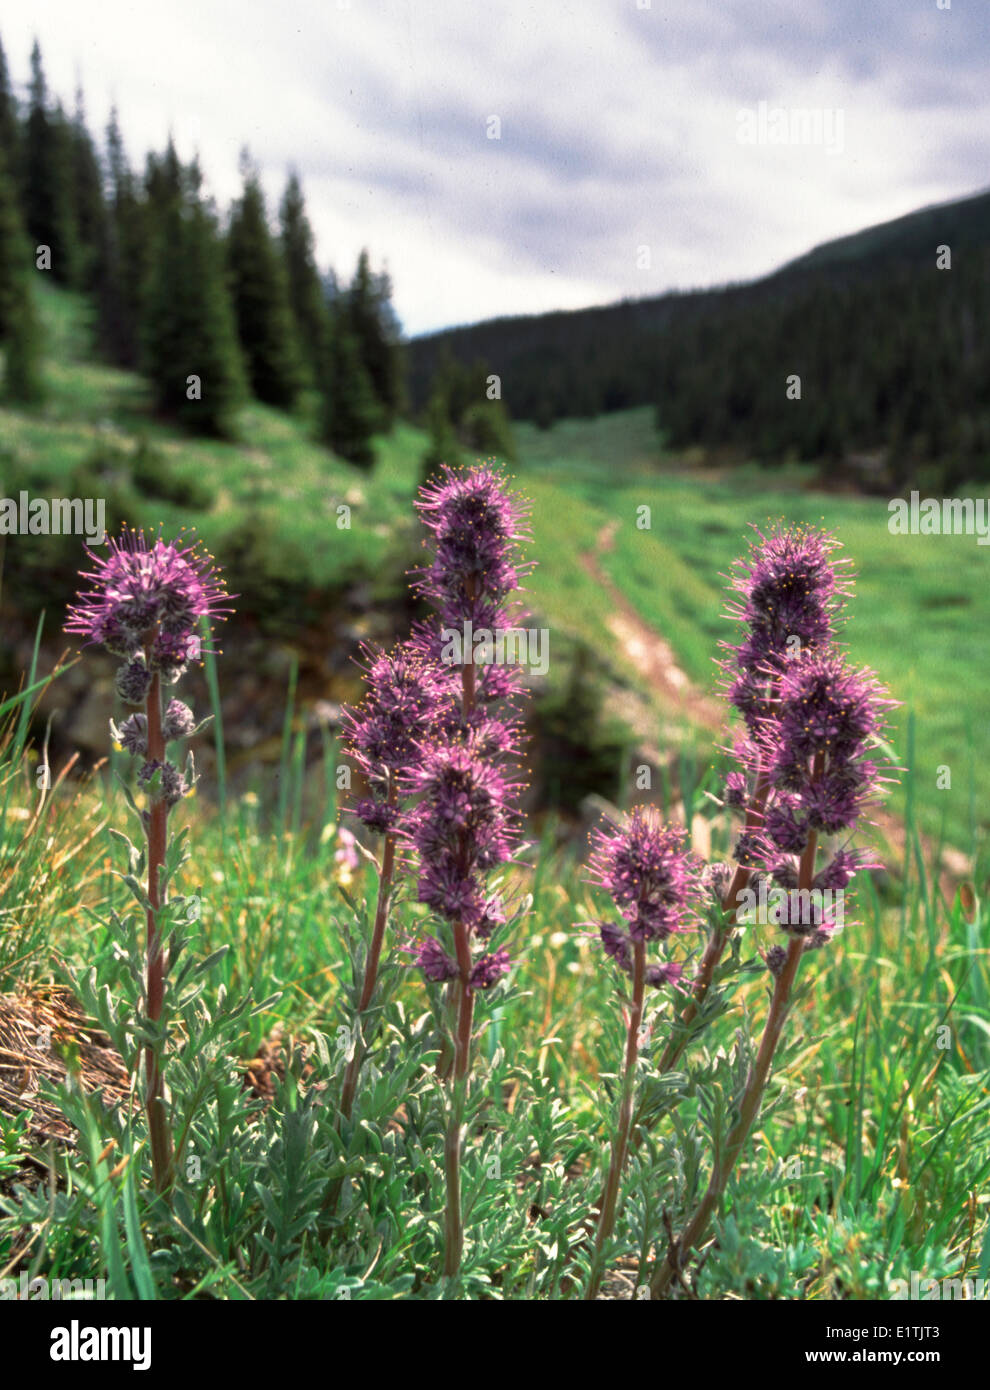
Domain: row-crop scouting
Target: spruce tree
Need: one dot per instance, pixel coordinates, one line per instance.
(125, 255)
(87, 196)
(261, 299)
(373, 323)
(48, 177)
(10, 132)
(190, 344)
(305, 289)
(20, 331)
(350, 412)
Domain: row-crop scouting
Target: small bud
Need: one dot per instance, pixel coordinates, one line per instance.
(133, 681)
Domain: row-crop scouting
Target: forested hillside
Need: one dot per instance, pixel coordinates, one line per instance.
(882, 328)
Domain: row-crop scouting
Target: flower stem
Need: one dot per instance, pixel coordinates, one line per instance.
(453, 1224)
(372, 964)
(161, 1139)
(749, 1106)
(463, 1000)
(719, 938)
(620, 1144)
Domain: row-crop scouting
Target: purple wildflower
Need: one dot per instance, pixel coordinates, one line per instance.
(179, 721)
(489, 969)
(715, 878)
(814, 745)
(616, 943)
(133, 735)
(476, 524)
(463, 826)
(838, 873)
(164, 780)
(827, 715)
(140, 592)
(492, 916)
(789, 598)
(735, 790)
(406, 696)
(465, 822)
(651, 878)
(667, 974)
(435, 962)
(133, 681)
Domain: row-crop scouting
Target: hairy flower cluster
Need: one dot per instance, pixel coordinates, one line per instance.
(465, 824)
(652, 879)
(476, 526)
(810, 720)
(408, 697)
(816, 751)
(789, 596)
(145, 602)
(826, 719)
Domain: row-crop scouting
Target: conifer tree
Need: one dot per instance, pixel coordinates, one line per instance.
(87, 197)
(261, 298)
(373, 323)
(190, 344)
(10, 133)
(20, 332)
(350, 412)
(47, 177)
(443, 446)
(305, 289)
(124, 256)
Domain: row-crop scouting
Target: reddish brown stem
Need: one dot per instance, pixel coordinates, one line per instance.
(749, 1107)
(372, 965)
(453, 1222)
(464, 997)
(714, 950)
(620, 1144)
(161, 1139)
(719, 938)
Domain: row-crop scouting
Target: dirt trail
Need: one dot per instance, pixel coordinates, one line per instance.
(646, 649)
(655, 662)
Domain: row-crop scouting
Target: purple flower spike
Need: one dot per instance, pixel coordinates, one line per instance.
(649, 874)
(814, 744)
(827, 717)
(465, 822)
(476, 525)
(141, 588)
(652, 879)
(407, 698)
(179, 721)
(790, 595)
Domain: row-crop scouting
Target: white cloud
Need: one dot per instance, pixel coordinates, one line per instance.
(618, 128)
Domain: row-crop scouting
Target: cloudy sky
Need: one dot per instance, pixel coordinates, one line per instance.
(625, 161)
